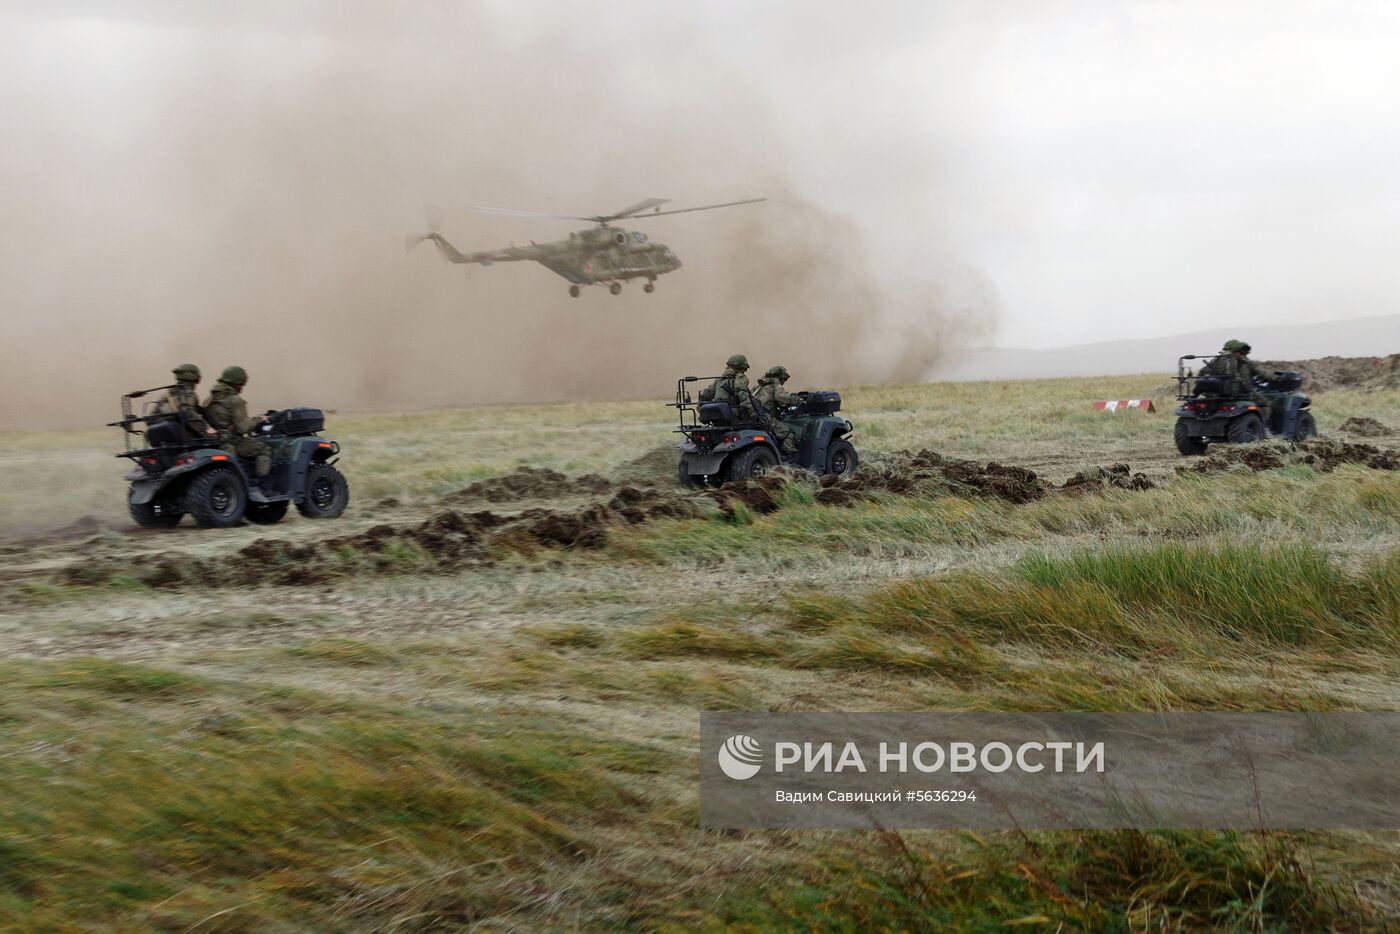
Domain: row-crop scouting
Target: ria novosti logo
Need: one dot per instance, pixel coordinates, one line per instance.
(740, 757)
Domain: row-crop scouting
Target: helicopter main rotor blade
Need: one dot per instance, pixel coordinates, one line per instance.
(511, 212)
(628, 212)
(706, 207)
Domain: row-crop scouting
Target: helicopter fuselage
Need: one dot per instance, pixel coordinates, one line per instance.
(588, 257)
(605, 254)
(601, 254)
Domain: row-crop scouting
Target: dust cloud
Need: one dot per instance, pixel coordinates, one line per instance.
(234, 186)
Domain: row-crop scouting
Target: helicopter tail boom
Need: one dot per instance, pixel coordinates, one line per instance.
(457, 256)
(448, 250)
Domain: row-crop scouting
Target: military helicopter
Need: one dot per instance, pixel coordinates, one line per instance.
(588, 257)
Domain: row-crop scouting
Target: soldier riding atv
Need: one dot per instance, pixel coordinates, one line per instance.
(725, 441)
(1226, 402)
(177, 472)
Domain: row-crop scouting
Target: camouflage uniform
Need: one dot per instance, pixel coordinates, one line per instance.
(773, 397)
(1239, 373)
(229, 413)
(737, 393)
(182, 400)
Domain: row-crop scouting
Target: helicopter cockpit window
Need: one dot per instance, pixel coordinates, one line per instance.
(639, 236)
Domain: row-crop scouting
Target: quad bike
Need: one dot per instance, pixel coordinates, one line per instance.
(723, 444)
(1213, 411)
(175, 473)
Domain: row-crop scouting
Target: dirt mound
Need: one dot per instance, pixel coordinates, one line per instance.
(538, 529)
(759, 497)
(1003, 481)
(1366, 427)
(446, 541)
(1365, 373)
(638, 506)
(1324, 455)
(904, 472)
(656, 467)
(532, 483)
(835, 496)
(1096, 479)
(907, 473)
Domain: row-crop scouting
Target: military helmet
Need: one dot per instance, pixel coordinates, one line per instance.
(777, 372)
(234, 376)
(187, 373)
(1235, 347)
(737, 362)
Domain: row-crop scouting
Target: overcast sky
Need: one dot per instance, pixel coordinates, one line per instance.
(1027, 173)
(1182, 164)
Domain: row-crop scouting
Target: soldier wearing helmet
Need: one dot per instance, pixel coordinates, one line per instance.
(774, 398)
(1240, 372)
(733, 387)
(229, 413)
(182, 399)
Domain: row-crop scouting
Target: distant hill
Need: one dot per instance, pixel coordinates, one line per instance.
(1358, 337)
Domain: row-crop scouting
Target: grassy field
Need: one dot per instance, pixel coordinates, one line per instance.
(508, 742)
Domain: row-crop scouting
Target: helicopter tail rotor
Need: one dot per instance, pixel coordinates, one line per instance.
(434, 216)
(448, 250)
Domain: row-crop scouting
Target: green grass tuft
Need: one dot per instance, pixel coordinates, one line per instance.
(1118, 881)
(1132, 601)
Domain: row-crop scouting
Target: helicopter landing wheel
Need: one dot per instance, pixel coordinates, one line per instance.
(649, 287)
(573, 291)
(615, 288)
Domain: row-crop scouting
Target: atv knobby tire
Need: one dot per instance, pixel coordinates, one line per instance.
(689, 480)
(1306, 427)
(841, 458)
(267, 513)
(752, 463)
(1185, 442)
(1246, 429)
(216, 498)
(327, 493)
(155, 514)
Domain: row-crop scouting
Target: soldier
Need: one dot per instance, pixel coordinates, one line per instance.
(183, 400)
(1240, 372)
(733, 387)
(229, 413)
(773, 397)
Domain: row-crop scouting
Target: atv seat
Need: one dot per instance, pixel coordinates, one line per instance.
(1210, 386)
(166, 431)
(716, 413)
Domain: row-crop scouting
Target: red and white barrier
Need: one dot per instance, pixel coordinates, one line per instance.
(1113, 405)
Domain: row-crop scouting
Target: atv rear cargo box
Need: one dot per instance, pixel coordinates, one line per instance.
(300, 421)
(821, 402)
